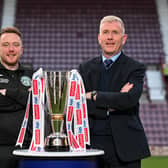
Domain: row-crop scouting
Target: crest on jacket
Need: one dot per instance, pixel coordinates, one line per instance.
(26, 80)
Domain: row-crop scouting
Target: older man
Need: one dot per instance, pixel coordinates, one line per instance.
(114, 83)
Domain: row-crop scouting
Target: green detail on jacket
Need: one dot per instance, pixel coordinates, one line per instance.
(25, 80)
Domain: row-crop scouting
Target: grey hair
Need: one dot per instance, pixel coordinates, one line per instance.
(112, 18)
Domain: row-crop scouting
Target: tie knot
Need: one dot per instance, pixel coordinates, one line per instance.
(108, 63)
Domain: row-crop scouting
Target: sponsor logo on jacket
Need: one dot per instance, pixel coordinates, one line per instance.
(4, 80)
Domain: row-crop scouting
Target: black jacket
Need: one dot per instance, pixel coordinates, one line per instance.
(125, 125)
(13, 105)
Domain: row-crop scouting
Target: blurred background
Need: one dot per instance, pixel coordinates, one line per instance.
(59, 35)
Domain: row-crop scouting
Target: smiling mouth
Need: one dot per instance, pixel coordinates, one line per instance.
(110, 43)
(11, 55)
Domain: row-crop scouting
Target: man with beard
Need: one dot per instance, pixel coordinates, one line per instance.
(15, 82)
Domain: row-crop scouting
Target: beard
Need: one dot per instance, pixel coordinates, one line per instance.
(9, 62)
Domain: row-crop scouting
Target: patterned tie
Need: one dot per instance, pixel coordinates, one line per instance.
(108, 63)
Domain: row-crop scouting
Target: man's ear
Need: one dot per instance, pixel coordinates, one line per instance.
(22, 50)
(125, 36)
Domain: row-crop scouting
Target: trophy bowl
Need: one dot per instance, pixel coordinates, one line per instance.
(56, 92)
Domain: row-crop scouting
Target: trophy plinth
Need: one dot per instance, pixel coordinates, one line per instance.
(57, 88)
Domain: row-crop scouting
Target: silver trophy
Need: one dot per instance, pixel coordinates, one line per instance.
(56, 91)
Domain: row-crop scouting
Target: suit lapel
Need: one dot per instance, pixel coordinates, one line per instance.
(96, 72)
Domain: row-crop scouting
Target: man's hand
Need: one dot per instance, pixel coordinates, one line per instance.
(126, 88)
(3, 92)
(88, 95)
(30, 89)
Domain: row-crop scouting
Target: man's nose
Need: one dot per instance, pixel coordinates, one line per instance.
(11, 47)
(110, 36)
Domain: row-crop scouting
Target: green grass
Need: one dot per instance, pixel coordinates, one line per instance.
(155, 162)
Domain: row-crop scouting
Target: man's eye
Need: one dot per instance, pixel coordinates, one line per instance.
(5, 44)
(116, 32)
(105, 32)
(16, 44)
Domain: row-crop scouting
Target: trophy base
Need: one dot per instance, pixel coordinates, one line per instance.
(56, 142)
(56, 148)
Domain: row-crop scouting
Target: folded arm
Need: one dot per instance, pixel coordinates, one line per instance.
(13, 99)
(127, 97)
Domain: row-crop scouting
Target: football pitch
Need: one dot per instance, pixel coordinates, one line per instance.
(155, 162)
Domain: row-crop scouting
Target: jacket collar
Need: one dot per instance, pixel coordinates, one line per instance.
(20, 68)
(120, 59)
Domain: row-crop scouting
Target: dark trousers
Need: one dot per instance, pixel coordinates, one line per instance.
(7, 160)
(111, 159)
(133, 164)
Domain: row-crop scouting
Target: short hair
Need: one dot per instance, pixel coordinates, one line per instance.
(110, 19)
(11, 30)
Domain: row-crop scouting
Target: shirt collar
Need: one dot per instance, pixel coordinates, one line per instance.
(113, 58)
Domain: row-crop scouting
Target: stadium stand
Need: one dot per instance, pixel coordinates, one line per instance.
(155, 120)
(1, 5)
(58, 35)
